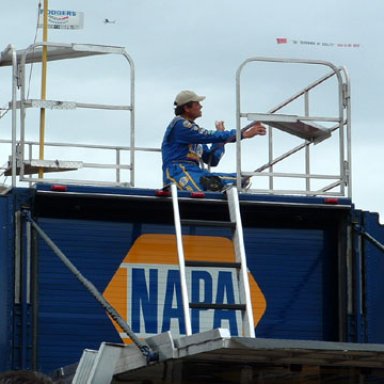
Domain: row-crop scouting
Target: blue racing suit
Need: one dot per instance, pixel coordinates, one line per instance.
(184, 150)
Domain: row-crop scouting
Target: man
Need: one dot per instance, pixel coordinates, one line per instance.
(185, 150)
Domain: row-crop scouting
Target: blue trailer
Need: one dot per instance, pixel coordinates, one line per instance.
(316, 267)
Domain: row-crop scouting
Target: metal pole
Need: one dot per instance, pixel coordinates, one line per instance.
(369, 237)
(43, 85)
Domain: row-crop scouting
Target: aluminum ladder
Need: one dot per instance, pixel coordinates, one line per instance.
(245, 305)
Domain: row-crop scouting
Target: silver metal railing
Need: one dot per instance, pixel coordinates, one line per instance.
(22, 162)
(308, 128)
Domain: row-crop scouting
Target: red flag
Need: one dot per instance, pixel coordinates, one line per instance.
(281, 40)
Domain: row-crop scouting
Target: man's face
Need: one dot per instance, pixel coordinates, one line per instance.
(194, 111)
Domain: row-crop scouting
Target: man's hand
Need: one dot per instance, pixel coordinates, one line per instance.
(220, 125)
(256, 129)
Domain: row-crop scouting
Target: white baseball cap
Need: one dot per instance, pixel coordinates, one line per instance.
(185, 97)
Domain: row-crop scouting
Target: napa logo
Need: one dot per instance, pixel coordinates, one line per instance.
(146, 290)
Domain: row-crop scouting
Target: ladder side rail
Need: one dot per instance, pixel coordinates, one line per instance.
(181, 258)
(244, 288)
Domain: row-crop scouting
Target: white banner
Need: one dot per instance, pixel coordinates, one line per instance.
(62, 19)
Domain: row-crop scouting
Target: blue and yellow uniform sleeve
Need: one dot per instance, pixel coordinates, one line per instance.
(186, 132)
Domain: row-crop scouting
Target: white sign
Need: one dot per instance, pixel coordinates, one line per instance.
(62, 19)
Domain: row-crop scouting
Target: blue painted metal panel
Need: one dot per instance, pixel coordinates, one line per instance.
(6, 281)
(297, 271)
(373, 274)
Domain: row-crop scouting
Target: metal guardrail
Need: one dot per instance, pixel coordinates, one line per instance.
(20, 163)
(309, 129)
(337, 183)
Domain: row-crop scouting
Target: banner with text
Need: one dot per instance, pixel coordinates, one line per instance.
(62, 19)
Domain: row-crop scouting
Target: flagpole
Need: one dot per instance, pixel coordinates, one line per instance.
(43, 85)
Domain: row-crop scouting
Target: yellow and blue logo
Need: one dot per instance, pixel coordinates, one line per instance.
(146, 291)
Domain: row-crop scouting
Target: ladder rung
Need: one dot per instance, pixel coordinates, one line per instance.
(218, 264)
(209, 223)
(238, 307)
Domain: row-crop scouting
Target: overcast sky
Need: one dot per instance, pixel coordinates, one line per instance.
(177, 44)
